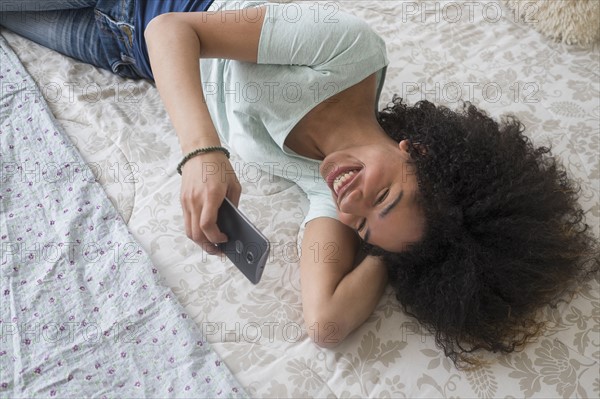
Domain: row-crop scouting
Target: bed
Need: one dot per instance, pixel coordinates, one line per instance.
(443, 52)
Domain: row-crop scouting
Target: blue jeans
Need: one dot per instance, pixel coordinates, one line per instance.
(98, 32)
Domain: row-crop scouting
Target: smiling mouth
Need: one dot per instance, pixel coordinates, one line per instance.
(340, 179)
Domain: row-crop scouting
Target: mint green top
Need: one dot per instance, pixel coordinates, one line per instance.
(307, 53)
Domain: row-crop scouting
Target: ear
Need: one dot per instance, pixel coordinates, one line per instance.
(405, 145)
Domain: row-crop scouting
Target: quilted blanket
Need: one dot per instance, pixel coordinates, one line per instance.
(83, 311)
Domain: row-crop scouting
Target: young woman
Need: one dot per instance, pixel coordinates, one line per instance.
(475, 228)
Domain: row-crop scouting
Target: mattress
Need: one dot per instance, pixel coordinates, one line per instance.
(442, 52)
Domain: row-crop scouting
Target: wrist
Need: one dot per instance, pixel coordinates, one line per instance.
(190, 146)
(196, 136)
(202, 151)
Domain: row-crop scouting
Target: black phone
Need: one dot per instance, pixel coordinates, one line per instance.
(247, 248)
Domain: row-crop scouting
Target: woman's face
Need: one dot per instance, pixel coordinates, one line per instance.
(375, 190)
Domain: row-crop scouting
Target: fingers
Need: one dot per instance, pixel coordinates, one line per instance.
(210, 210)
(201, 197)
(208, 222)
(200, 218)
(198, 235)
(203, 232)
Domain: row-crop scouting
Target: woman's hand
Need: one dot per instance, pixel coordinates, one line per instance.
(206, 180)
(174, 47)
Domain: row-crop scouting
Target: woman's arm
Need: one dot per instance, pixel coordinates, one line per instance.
(176, 42)
(336, 296)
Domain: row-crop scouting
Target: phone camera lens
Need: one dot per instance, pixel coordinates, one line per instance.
(250, 257)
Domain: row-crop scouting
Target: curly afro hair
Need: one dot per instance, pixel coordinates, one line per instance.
(505, 234)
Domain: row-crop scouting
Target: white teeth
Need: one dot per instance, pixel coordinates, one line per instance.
(341, 179)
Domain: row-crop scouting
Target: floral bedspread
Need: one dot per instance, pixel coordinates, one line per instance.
(441, 51)
(83, 312)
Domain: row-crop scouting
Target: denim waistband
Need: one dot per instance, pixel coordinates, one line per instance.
(116, 22)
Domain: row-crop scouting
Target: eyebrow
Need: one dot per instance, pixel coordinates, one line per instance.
(383, 213)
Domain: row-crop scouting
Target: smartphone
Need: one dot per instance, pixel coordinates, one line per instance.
(247, 248)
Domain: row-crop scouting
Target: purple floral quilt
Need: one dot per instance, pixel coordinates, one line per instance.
(83, 312)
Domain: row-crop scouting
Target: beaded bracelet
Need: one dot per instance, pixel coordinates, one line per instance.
(198, 152)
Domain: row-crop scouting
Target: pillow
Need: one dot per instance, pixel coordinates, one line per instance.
(568, 21)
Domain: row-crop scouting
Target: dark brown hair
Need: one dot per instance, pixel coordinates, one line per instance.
(505, 234)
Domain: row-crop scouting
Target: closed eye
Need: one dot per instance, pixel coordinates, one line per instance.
(382, 197)
(378, 201)
(361, 225)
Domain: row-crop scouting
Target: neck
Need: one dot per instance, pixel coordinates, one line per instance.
(353, 132)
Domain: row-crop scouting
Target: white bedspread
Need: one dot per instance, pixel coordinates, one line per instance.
(470, 50)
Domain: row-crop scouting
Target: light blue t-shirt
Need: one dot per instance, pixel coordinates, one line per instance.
(307, 53)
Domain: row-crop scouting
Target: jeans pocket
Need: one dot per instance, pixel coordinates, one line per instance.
(117, 40)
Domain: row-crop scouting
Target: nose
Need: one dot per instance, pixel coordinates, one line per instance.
(354, 202)
(352, 208)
